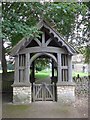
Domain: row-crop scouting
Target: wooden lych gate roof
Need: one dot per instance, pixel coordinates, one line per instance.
(44, 24)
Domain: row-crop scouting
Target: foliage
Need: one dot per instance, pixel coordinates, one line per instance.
(41, 63)
(64, 14)
(19, 18)
(16, 23)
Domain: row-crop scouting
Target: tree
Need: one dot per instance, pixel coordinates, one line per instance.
(86, 35)
(3, 60)
(19, 19)
(42, 63)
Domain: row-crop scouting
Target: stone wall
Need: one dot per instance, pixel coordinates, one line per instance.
(66, 94)
(22, 94)
(81, 88)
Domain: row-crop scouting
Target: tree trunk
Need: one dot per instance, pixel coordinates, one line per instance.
(0, 50)
(3, 59)
(89, 69)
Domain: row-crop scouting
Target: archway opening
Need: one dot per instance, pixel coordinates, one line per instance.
(43, 77)
(43, 68)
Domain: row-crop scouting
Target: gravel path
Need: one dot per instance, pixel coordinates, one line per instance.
(45, 110)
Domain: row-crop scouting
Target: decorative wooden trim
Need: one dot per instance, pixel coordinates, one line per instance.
(42, 23)
(21, 67)
(38, 42)
(27, 70)
(42, 49)
(48, 41)
(39, 54)
(59, 68)
(16, 48)
(43, 39)
(58, 37)
(16, 73)
(70, 68)
(64, 67)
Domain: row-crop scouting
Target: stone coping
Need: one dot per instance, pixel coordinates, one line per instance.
(66, 84)
(20, 84)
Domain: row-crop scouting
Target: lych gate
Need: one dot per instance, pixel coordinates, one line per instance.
(50, 44)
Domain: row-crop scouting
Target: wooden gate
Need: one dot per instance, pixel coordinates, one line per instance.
(43, 92)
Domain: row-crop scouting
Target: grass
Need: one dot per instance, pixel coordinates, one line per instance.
(12, 110)
(44, 74)
(80, 74)
(19, 107)
(7, 71)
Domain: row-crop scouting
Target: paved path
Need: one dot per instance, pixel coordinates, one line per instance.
(42, 110)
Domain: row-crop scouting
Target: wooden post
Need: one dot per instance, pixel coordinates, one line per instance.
(69, 68)
(21, 76)
(52, 71)
(33, 70)
(32, 75)
(53, 92)
(32, 92)
(59, 68)
(52, 68)
(16, 74)
(43, 40)
(27, 73)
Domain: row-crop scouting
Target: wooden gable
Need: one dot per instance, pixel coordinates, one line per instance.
(51, 38)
